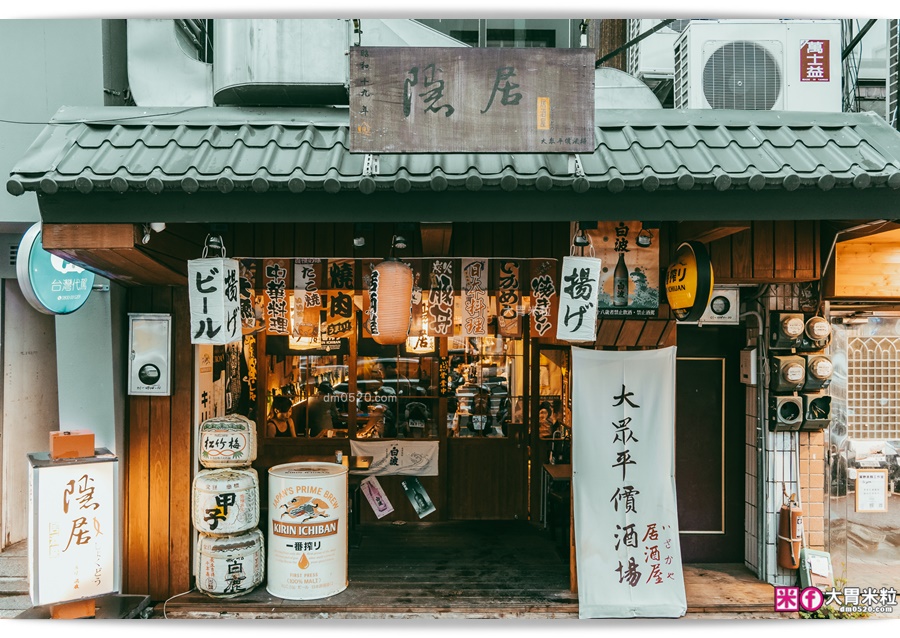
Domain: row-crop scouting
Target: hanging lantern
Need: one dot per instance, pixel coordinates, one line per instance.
(390, 302)
(214, 297)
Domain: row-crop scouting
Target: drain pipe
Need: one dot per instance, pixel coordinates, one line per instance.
(761, 466)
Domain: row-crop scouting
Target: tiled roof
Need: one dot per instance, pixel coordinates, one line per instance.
(222, 148)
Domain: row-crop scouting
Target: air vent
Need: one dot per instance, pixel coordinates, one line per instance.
(741, 75)
(681, 73)
(9, 246)
(13, 252)
(893, 76)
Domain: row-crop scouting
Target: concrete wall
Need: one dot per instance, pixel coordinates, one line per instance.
(45, 64)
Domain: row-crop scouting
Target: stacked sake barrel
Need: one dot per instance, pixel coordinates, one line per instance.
(230, 558)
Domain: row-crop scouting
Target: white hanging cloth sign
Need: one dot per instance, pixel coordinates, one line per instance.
(412, 458)
(214, 301)
(623, 479)
(579, 287)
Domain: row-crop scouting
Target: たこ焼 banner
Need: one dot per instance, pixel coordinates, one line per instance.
(623, 480)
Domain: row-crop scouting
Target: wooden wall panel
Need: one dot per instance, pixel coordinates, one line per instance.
(770, 252)
(158, 463)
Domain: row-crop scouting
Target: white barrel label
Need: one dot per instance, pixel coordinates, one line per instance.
(225, 502)
(307, 556)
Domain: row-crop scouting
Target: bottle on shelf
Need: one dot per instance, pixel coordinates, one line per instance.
(620, 282)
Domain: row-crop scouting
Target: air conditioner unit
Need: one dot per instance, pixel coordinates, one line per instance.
(653, 57)
(893, 74)
(776, 65)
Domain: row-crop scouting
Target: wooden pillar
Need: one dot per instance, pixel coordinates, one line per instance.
(613, 34)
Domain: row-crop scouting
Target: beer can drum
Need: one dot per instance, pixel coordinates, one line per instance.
(225, 502)
(229, 566)
(307, 535)
(227, 441)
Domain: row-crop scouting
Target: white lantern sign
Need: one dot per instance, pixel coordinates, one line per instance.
(579, 287)
(73, 527)
(214, 300)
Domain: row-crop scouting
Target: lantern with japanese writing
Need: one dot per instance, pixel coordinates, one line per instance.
(214, 301)
(390, 302)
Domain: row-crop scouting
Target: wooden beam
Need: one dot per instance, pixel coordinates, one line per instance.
(709, 231)
(435, 238)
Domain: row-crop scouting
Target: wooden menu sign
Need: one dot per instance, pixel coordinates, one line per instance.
(474, 100)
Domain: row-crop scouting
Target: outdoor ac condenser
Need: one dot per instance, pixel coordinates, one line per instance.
(653, 57)
(777, 65)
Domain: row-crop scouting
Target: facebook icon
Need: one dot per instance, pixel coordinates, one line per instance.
(811, 599)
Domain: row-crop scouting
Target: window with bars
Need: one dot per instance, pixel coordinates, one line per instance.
(873, 387)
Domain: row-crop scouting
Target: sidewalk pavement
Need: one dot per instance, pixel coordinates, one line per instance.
(14, 598)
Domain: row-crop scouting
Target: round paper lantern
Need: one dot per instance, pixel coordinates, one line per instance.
(390, 302)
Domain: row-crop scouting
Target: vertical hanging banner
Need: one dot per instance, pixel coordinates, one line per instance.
(307, 299)
(214, 301)
(275, 272)
(251, 314)
(629, 280)
(623, 480)
(440, 299)
(475, 298)
(341, 284)
(544, 297)
(509, 299)
(578, 299)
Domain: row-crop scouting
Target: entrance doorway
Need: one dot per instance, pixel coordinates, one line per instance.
(709, 442)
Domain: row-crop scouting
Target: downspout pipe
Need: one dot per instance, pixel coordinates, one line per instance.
(115, 63)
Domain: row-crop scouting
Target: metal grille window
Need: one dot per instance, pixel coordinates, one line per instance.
(873, 387)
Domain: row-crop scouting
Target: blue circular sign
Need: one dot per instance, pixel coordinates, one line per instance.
(49, 283)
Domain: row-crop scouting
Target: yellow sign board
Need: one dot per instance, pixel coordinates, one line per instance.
(689, 281)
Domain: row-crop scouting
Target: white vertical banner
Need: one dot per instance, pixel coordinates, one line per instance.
(623, 479)
(475, 299)
(579, 287)
(214, 301)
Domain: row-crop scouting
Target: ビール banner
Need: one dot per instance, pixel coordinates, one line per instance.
(623, 479)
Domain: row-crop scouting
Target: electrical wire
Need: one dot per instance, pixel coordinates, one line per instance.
(173, 598)
(106, 121)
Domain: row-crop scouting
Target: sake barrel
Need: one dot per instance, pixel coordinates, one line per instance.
(229, 566)
(307, 535)
(226, 501)
(227, 441)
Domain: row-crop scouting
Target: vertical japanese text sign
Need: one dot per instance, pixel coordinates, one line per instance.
(544, 298)
(623, 473)
(214, 301)
(342, 284)
(509, 299)
(474, 100)
(72, 527)
(475, 297)
(307, 298)
(578, 299)
(275, 274)
(440, 299)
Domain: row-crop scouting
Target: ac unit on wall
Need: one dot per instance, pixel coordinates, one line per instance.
(653, 57)
(778, 65)
(893, 74)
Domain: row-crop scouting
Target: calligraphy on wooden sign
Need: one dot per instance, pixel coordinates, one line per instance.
(473, 100)
(251, 314)
(440, 299)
